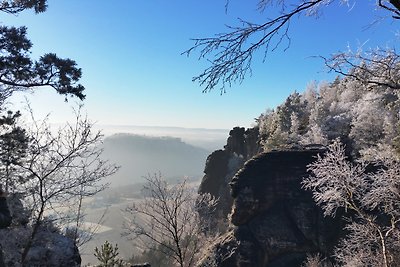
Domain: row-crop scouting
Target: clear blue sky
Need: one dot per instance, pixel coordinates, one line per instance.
(134, 73)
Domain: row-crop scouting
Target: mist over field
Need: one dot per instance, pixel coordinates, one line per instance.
(174, 152)
(139, 156)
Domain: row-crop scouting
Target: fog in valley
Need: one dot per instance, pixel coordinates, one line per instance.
(208, 139)
(175, 153)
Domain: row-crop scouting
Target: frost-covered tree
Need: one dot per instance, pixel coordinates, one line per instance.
(295, 128)
(359, 114)
(42, 169)
(368, 192)
(62, 167)
(168, 219)
(375, 69)
(314, 136)
(316, 261)
(47, 174)
(368, 120)
(284, 126)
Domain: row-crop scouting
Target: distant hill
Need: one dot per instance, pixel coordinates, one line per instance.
(210, 139)
(139, 156)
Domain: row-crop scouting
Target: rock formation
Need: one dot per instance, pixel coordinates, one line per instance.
(50, 248)
(274, 222)
(222, 165)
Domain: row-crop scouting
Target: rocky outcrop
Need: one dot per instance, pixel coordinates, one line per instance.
(275, 223)
(222, 165)
(50, 248)
(243, 142)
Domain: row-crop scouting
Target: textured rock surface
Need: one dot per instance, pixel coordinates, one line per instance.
(275, 222)
(222, 165)
(50, 248)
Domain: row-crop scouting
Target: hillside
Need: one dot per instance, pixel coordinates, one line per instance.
(139, 156)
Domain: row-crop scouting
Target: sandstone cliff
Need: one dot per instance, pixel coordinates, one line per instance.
(273, 221)
(221, 166)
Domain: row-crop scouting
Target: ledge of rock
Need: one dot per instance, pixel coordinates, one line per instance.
(275, 222)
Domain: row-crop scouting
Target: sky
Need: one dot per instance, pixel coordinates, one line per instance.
(130, 52)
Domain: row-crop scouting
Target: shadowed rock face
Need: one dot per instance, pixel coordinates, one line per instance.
(221, 166)
(268, 180)
(276, 223)
(215, 171)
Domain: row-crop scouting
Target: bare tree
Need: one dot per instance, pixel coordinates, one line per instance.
(375, 68)
(74, 223)
(61, 167)
(369, 194)
(45, 169)
(168, 218)
(232, 51)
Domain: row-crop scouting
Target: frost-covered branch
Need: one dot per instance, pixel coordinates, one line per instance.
(230, 54)
(168, 218)
(233, 51)
(369, 194)
(378, 67)
(61, 167)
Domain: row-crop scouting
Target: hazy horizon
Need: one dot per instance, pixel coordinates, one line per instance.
(210, 139)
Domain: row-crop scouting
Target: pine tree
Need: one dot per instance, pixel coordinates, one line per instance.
(108, 256)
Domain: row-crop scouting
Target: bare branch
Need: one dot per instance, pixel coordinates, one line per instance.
(395, 9)
(372, 197)
(63, 166)
(233, 51)
(167, 218)
(375, 68)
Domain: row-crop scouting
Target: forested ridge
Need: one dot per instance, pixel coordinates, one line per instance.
(360, 116)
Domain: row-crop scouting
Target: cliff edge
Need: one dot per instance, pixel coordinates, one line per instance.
(273, 221)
